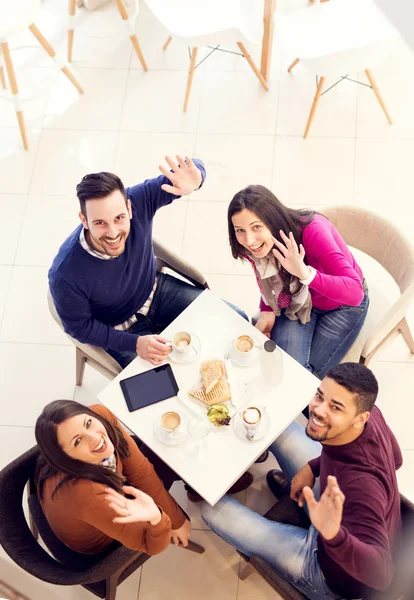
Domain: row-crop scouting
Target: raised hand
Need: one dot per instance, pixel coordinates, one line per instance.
(326, 515)
(141, 509)
(184, 176)
(290, 256)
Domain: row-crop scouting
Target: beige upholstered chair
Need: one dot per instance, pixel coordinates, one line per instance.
(99, 358)
(380, 239)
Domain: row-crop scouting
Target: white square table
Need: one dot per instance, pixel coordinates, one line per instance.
(224, 456)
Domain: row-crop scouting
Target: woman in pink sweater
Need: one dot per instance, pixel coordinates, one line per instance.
(314, 300)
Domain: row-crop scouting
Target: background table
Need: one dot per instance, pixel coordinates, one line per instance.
(224, 456)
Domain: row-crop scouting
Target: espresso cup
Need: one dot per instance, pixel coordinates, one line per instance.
(251, 417)
(243, 346)
(170, 422)
(182, 342)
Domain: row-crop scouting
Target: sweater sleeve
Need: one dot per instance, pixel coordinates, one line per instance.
(150, 190)
(362, 548)
(336, 279)
(141, 474)
(92, 508)
(315, 465)
(75, 313)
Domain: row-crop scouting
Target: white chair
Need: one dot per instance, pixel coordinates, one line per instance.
(337, 38)
(211, 23)
(381, 240)
(15, 16)
(128, 20)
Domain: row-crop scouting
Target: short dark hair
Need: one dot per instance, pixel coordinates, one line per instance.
(53, 459)
(98, 185)
(359, 380)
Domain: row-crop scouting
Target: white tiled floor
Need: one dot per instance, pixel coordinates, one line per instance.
(127, 121)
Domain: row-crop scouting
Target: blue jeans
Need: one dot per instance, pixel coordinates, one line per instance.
(325, 339)
(171, 297)
(292, 551)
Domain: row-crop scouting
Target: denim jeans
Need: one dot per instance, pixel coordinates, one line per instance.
(171, 297)
(325, 339)
(292, 551)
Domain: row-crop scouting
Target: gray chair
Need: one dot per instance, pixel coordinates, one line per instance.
(380, 239)
(287, 511)
(99, 358)
(99, 573)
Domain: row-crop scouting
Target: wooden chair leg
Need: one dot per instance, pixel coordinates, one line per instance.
(253, 66)
(404, 329)
(125, 17)
(190, 77)
(378, 95)
(80, 365)
(71, 27)
(295, 62)
(15, 91)
(2, 75)
(111, 583)
(45, 44)
(167, 43)
(314, 106)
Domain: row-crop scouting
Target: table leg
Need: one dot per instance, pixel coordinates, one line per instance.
(269, 9)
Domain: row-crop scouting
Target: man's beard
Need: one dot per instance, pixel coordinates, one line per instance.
(103, 249)
(315, 436)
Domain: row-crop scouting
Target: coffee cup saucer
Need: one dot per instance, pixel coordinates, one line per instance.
(171, 439)
(262, 429)
(191, 355)
(251, 359)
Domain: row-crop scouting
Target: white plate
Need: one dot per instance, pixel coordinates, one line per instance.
(188, 357)
(178, 437)
(254, 356)
(262, 429)
(237, 390)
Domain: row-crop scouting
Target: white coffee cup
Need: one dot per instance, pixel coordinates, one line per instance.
(243, 347)
(170, 422)
(182, 342)
(251, 417)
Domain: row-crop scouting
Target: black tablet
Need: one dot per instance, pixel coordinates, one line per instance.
(149, 387)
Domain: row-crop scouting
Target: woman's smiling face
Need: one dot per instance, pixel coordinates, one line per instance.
(252, 233)
(84, 438)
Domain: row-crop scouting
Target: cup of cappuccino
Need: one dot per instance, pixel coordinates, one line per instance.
(170, 422)
(243, 346)
(182, 342)
(251, 417)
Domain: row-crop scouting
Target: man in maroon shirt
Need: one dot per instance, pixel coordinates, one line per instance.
(347, 551)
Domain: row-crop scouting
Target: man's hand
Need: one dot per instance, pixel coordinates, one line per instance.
(326, 515)
(153, 348)
(184, 176)
(266, 322)
(303, 478)
(142, 508)
(180, 536)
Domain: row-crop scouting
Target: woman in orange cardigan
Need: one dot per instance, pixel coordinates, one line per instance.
(83, 453)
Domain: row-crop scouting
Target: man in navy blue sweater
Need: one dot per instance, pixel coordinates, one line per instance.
(103, 280)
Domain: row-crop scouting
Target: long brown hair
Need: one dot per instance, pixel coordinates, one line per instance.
(54, 460)
(274, 215)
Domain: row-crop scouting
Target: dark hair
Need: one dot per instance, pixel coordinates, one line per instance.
(359, 380)
(54, 460)
(98, 185)
(274, 215)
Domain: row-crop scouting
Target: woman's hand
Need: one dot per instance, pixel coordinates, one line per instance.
(184, 176)
(266, 322)
(142, 508)
(290, 256)
(180, 536)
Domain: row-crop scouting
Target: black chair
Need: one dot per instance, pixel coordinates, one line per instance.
(98, 573)
(287, 511)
